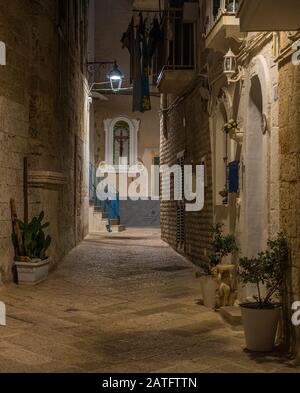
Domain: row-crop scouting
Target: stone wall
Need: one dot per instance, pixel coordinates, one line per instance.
(14, 117)
(43, 116)
(289, 139)
(186, 129)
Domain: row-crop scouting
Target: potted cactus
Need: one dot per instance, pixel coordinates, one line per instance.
(33, 266)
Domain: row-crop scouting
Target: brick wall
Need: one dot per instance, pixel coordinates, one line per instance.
(43, 116)
(192, 136)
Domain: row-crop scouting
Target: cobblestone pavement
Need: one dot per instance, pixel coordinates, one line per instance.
(121, 303)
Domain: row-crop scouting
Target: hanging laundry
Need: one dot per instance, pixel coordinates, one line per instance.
(137, 70)
(141, 88)
(155, 37)
(146, 103)
(137, 44)
(128, 42)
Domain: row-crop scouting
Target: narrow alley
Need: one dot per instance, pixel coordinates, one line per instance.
(121, 303)
(149, 187)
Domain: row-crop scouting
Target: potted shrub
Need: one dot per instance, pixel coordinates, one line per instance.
(33, 266)
(222, 246)
(266, 271)
(231, 126)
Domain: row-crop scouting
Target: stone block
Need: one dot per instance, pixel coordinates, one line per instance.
(232, 315)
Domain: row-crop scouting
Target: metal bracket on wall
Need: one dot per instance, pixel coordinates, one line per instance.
(95, 66)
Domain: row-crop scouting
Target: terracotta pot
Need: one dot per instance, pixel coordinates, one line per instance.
(208, 287)
(260, 326)
(34, 272)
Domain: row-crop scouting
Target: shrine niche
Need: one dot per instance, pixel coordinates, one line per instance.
(121, 148)
(121, 144)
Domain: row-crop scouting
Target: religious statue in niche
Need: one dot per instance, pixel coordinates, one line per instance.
(121, 144)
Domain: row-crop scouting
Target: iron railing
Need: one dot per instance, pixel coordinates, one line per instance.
(181, 41)
(111, 206)
(178, 49)
(92, 183)
(218, 8)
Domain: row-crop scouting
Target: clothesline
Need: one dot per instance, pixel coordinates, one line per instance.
(157, 11)
(147, 15)
(148, 11)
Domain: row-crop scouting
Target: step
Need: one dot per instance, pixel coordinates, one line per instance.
(232, 315)
(115, 221)
(98, 227)
(96, 210)
(98, 223)
(118, 228)
(100, 215)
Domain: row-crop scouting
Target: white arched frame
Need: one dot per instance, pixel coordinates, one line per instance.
(260, 68)
(109, 126)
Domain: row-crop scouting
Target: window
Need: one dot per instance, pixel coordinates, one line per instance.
(216, 7)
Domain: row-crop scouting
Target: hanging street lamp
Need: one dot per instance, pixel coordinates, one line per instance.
(115, 77)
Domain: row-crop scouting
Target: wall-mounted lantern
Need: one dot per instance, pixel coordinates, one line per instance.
(2, 54)
(230, 66)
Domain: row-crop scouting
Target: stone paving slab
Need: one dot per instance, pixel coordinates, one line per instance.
(122, 303)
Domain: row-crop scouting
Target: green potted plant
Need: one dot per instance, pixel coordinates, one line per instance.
(266, 271)
(231, 126)
(33, 266)
(222, 246)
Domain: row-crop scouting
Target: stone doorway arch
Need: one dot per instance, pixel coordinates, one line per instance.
(256, 168)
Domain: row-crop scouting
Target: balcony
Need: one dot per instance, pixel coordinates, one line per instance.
(147, 5)
(221, 23)
(269, 15)
(177, 69)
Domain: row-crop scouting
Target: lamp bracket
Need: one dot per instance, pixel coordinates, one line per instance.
(240, 76)
(94, 67)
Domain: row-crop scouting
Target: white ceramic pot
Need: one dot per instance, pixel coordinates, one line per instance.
(34, 272)
(208, 287)
(260, 326)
